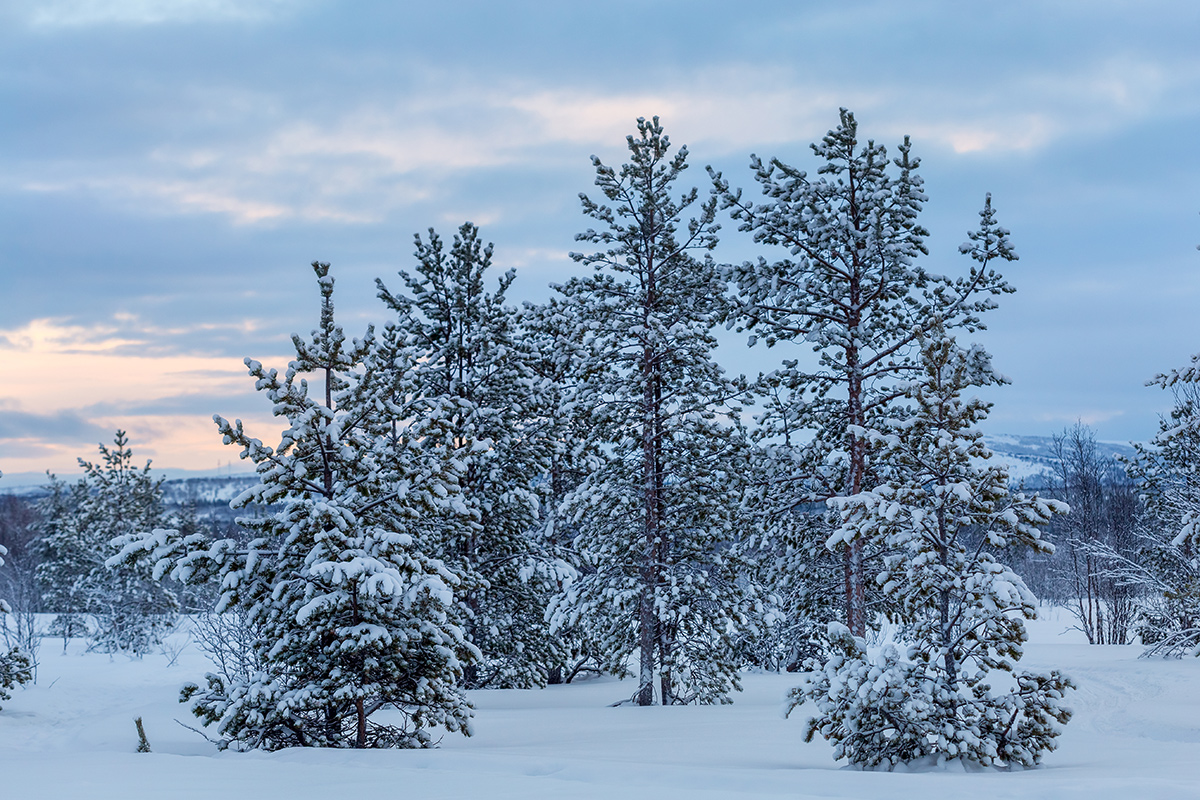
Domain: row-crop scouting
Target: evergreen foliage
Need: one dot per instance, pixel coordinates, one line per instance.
(1166, 568)
(121, 608)
(66, 559)
(574, 454)
(350, 612)
(850, 288)
(16, 667)
(944, 514)
(473, 359)
(802, 579)
(657, 518)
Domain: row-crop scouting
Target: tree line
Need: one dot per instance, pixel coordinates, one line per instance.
(477, 495)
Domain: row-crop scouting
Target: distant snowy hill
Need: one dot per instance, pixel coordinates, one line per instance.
(209, 491)
(33, 482)
(210, 495)
(1030, 459)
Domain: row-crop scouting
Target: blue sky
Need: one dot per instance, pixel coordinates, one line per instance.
(169, 169)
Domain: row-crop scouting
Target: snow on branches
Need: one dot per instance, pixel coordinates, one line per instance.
(656, 518)
(943, 515)
(351, 614)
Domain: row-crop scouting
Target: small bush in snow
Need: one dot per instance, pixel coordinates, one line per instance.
(16, 667)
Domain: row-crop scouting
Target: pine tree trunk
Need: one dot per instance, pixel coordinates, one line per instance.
(665, 645)
(856, 590)
(647, 626)
(944, 604)
(666, 632)
(648, 621)
(856, 613)
(360, 711)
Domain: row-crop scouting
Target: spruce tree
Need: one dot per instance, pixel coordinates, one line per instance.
(657, 519)
(351, 613)
(849, 287)
(473, 359)
(945, 514)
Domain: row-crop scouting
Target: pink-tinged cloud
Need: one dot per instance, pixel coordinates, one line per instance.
(67, 383)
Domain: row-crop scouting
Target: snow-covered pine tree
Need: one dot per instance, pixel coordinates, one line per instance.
(547, 329)
(944, 515)
(472, 359)
(64, 559)
(802, 579)
(114, 499)
(1166, 571)
(16, 667)
(658, 518)
(352, 614)
(849, 287)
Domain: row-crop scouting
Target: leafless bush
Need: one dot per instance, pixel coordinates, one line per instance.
(19, 628)
(228, 640)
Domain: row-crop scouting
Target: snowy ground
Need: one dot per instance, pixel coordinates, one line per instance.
(1136, 734)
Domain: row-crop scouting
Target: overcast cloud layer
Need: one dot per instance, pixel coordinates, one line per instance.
(168, 168)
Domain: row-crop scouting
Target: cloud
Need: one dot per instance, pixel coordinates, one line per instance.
(65, 425)
(364, 161)
(712, 108)
(1031, 110)
(1091, 417)
(70, 386)
(225, 193)
(122, 335)
(80, 13)
(358, 160)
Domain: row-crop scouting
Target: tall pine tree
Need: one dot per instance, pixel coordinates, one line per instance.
(849, 287)
(657, 519)
(121, 607)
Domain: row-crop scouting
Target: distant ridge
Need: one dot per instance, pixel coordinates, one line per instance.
(32, 482)
(1030, 459)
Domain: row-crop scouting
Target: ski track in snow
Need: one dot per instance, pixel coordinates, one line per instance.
(1136, 734)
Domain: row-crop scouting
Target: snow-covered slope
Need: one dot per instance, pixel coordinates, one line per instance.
(208, 493)
(175, 480)
(1030, 459)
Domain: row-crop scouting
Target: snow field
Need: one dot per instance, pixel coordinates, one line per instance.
(1136, 734)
